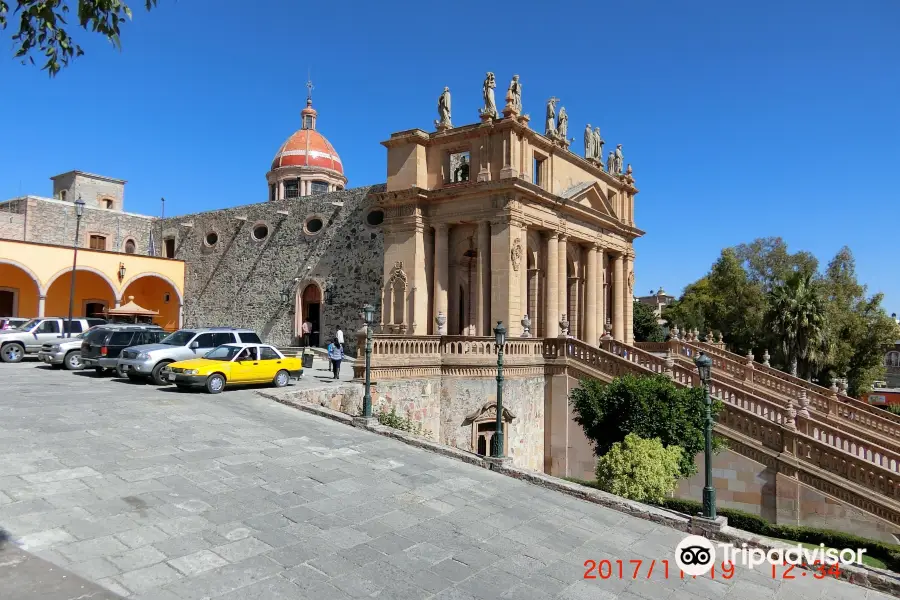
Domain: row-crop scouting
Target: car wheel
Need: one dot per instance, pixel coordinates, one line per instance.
(72, 361)
(215, 383)
(156, 374)
(281, 378)
(12, 353)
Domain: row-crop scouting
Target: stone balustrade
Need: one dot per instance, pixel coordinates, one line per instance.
(817, 394)
(821, 453)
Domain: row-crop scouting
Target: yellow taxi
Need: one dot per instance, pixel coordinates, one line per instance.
(234, 364)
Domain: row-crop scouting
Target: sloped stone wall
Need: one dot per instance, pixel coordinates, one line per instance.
(238, 280)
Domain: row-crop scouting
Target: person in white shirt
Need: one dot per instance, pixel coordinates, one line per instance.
(339, 336)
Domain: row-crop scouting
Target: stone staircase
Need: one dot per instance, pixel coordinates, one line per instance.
(833, 443)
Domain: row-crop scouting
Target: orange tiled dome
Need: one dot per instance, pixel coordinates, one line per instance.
(307, 147)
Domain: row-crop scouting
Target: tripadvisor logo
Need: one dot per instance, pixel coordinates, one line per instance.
(695, 555)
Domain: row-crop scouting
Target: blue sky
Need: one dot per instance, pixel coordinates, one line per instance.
(765, 119)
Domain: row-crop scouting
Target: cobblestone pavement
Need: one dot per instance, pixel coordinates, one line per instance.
(158, 494)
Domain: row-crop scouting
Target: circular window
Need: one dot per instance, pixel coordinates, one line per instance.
(260, 231)
(375, 217)
(212, 238)
(314, 225)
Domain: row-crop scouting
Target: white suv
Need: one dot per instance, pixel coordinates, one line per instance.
(28, 338)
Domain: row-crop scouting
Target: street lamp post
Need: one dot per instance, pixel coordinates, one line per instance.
(369, 315)
(79, 210)
(704, 368)
(497, 440)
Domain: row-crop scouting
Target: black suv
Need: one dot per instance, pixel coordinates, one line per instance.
(101, 347)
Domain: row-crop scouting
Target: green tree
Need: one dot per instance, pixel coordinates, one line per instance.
(768, 262)
(646, 324)
(689, 311)
(859, 329)
(796, 319)
(43, 26)
(650, 407)
(639, 469)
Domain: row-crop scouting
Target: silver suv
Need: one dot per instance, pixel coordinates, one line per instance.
(28, 338)
(148, 360)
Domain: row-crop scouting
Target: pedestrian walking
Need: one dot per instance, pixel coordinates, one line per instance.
(339, 336)
(336, 354)
(306, 330)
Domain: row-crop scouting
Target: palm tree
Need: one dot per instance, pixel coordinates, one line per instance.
(796, 317)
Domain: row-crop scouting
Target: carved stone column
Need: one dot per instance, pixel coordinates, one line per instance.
(534, 277)
(441, 270)
(590, 298)
(574, 314)
(551, 317)
(483, 277)
(618, 297)
(562, 278)
(601, 291)
(628, 301)
(523, 276)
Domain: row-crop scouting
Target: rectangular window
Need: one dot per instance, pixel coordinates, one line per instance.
(206, 340)
(51, 326)
(169, 244)
(318, 187)
(539, 174)
(272, 188)
(121, 338)
(220, 339)
(307, 122)
(459, 167)
(292, 189)
(76, 326)
(98, 242)
(266, 353)
(62, 195)
(250, 338)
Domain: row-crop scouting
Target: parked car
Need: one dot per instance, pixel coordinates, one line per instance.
(148, 361)
(101, 347)
(11, 322)
(28, 339)
(64, 352)
(234, 364)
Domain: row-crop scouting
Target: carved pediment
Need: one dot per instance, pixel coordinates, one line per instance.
(590, 194)
(488, 412)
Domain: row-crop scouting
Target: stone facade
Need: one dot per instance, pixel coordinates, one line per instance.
(49, 221)
(236, 276)
(96, 191)
(747, 485)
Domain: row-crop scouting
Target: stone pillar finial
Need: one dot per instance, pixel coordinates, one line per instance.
(607, 329)
(563, 326)
(766, 358)
(526, 327)
(750, 358)
(669, 369)
(790, 415)
(441, 321)
(676, 333)
(804, 404)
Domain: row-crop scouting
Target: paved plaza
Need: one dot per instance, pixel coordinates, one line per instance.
(154, 493)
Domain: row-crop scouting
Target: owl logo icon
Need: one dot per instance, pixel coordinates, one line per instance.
(695, 555)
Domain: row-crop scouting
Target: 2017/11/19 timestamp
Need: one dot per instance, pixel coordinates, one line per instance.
(634, 569)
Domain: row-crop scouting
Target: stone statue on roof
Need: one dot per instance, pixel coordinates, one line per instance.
(490, 105)
(443, 121)
(589, 148)
(550, 128)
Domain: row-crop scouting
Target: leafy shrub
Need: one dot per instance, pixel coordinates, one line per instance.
(639, 469)
(395, 421)
(649, 407)
(894, 409)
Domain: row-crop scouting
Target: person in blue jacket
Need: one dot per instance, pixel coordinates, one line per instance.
(336, 354)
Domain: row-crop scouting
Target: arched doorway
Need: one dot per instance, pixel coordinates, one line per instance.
(155, 293)
(309, 301)
(93, 295)
(19, 292)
